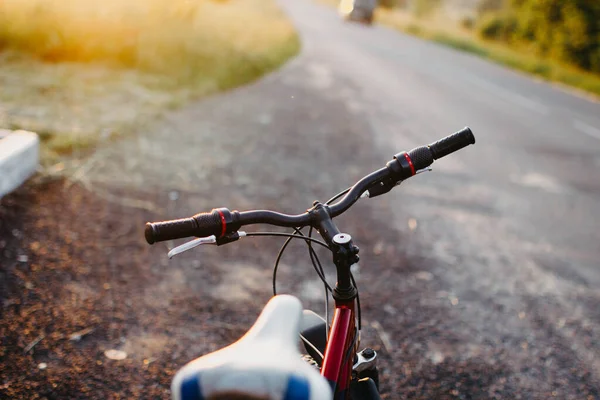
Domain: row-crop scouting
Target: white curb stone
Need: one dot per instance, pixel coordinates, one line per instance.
(19, 158)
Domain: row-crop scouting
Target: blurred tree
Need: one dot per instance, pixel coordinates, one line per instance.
(567, 30)
(497, 26)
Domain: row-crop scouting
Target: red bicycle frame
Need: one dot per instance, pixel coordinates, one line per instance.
(342, 344)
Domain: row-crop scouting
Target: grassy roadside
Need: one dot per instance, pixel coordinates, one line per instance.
(84, 74)
(441, 29)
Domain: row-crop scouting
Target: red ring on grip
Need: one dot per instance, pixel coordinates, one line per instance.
(223, 223)
(412, 167)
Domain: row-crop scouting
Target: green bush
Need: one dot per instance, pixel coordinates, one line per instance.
(497, 26)
(568, 31)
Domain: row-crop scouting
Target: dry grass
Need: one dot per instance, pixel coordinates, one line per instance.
(77, 71)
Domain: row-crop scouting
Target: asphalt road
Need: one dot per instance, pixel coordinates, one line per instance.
(511, 224)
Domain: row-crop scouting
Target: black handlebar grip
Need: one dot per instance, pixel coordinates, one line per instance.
(200, 225)
(168, 230)
(209, 224)
(452, 143)
(420, 157)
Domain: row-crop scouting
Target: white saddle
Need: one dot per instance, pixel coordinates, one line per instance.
(264, 363)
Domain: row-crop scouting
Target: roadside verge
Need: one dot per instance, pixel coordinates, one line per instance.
(115, 74)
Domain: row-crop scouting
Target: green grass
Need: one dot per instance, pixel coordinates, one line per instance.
(440, 31)
(547, 69)
(80, 72)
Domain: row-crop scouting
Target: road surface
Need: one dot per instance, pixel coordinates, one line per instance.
(512, 224)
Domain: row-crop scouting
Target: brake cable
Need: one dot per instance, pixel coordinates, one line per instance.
(290, 236)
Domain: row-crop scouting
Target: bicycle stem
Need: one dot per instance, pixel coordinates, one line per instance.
(345, 253)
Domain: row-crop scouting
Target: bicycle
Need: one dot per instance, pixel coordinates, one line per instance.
(265, 364)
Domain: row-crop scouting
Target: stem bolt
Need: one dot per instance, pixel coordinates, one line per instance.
(342, 238)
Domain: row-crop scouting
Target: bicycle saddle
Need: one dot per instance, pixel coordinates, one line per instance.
(265, 364)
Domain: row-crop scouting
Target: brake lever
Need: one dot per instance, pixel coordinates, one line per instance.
(232, 237)
(191, 244)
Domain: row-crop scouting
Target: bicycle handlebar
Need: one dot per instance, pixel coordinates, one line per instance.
(220, 222)
(422, 157)
(452, 143)
(200, 225)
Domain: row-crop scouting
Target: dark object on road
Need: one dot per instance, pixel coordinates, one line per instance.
(358, 10)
